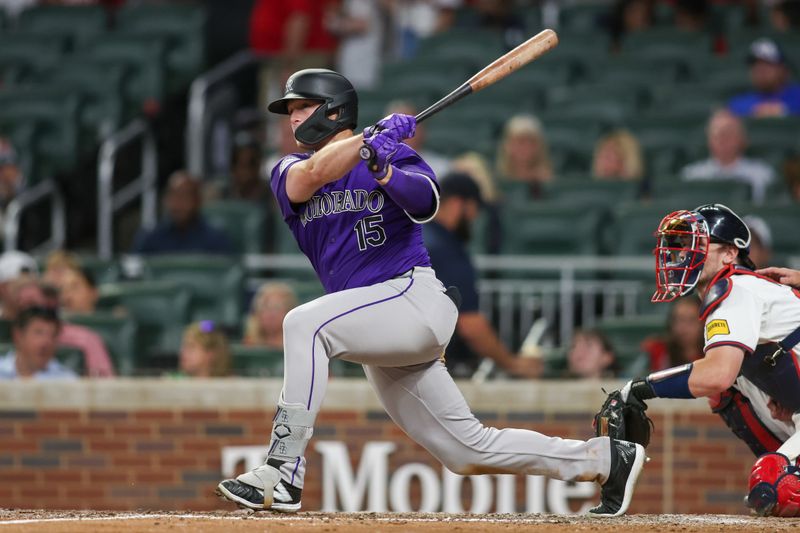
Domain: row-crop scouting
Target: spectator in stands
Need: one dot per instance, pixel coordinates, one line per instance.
(774, 95)
(683, 341)
(35, 334)
(14, 265)
(629, 16)
(79, 292)
(476, 166)
(618, 157)
(500, 16)
(726, 143)
(591, 356)
(57, 265)
(446, 238)
(439, 163)
(760, 241)
(270, 305)
(415, 20)
(292, 30)
(358, 24)
(785, 15)
(184, 229)
(523, 155)
(10, 175)
(791, 173)
(245, 174)
(27, 291)
(204, 351)
(692, 15)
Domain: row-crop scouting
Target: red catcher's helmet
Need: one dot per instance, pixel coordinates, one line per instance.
(681, 249)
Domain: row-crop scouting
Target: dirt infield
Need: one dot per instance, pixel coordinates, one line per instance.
(243, 521)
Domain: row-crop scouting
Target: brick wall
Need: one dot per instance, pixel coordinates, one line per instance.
(133, 455)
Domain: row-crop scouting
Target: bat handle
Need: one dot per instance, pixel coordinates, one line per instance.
(368, 155)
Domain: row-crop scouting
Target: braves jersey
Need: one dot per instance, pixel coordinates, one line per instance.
(751, 312)
(353, 233)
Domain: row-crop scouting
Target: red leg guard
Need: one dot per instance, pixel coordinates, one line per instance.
(788, 491)
(762, 494)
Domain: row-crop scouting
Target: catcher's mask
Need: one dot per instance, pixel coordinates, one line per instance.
(681, 249)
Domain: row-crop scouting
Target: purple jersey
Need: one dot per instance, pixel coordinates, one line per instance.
(354, 234)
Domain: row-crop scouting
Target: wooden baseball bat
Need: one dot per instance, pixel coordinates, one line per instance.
(533, 48)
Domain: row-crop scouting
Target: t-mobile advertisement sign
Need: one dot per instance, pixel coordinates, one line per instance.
(372, 487)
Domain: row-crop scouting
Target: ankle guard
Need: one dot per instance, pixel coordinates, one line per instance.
(292, 428)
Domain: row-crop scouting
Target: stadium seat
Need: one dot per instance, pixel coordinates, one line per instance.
(587, 191)
(633, 225)
(76, 23)
(216, 284)
(5, 331)
(667, 41)
(51, 116)
(244, 222)
(783, 222)
(690, 194)
(143, 58)
(582, 18)
(475, 48)
(551, 228)
(119, 335)
(626, 335)
(256, 361)
(345, 369)
(181, 26)
(104, 271)
(72, 358)
(161, 309)
(23, 56)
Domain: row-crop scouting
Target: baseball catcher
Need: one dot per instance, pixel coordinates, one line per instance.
(750, 371)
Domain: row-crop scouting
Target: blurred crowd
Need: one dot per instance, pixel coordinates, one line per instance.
(356, 37)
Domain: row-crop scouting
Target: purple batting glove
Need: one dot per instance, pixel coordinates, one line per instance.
(401, 126)
(384, 146)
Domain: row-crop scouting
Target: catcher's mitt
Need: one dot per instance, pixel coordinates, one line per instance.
(623, 420)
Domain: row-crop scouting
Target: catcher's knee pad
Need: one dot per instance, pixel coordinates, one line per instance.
(762, 494)
(738, 414)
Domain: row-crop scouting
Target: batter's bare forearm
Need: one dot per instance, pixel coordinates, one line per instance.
(329, 164)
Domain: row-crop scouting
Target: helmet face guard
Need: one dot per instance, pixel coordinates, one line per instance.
(682, 241)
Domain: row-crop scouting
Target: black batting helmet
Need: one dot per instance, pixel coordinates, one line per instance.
(725, 227)
(336, 94)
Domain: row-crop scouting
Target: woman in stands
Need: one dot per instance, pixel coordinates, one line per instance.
(523, 155)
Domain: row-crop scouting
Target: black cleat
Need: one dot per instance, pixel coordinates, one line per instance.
(285, 497)
(627, 460)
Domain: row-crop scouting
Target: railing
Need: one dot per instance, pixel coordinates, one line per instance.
(144, 186)
(515, 291)
(27, 198)
(201, 108)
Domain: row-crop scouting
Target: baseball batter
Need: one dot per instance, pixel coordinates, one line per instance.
(751, 368)
(386, 310)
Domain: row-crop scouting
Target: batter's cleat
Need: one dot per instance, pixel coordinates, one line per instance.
(250, 490)
(627, 460)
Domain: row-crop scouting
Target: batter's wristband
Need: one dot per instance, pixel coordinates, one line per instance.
(672, 382)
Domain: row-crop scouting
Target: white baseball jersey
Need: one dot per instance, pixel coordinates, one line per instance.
(749, 311)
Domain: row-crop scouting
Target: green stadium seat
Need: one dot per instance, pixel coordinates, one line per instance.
(631, 230)
(5, 331)
(307, 290)
(783, 222)
(103, 270)
(582, 18)
(72, 358)
(779, 133)
(119, 335)
(100, 85)
(181, 26)
(552, 228)
(587, 191)
(667, 42)
(256, 361)
(76, 23)
(160, 308)
(143, 58)
(690, 194)
(216, 284)
(244, 223)
(626, 335)
(345, 369)
(51, 116)
(475, 48)
(449, 138)
(24, 55)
